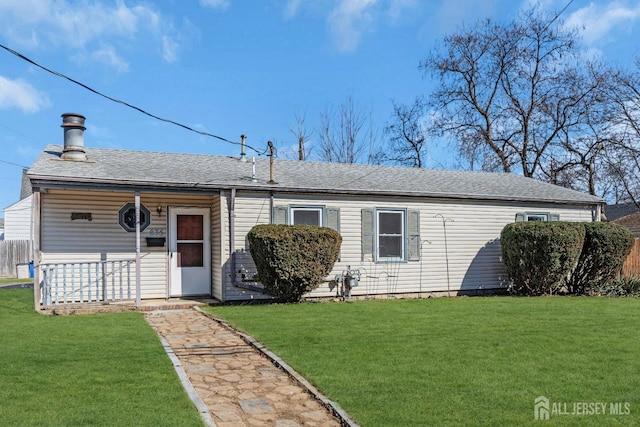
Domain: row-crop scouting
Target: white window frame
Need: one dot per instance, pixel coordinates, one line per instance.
(403, 234)
(294, 209)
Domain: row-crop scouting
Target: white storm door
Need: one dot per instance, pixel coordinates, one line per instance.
(189, 251)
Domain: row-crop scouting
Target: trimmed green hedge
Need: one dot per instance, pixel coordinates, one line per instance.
(606, 247)
(292, 260)
(577, 258)
(539, 255)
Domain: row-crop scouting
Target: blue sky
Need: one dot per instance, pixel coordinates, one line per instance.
(232, 67)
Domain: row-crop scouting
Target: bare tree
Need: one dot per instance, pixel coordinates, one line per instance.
(507, 93)
(346, 136)
(302, 135)
(407, 135)
(623, 156)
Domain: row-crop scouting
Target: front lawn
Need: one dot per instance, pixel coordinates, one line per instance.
(101, 370)
(462, 361)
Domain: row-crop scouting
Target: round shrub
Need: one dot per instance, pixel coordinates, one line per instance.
(292, 260)
(539, 255)
(606, 247)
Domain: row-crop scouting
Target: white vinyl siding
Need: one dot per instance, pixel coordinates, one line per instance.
(17, 220)
(216, 248)
(66, 240)
(250, 209)
(473, 244)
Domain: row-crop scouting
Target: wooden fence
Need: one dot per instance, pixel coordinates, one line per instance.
(12, 254)
(631, 266)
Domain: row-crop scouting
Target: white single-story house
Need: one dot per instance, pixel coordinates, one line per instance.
(405, 231)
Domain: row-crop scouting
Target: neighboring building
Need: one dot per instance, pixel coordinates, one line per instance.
(627, 214)
(408, 231)
(18, 219)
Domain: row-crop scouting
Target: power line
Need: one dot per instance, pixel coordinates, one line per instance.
(14, 164)
(126, 104)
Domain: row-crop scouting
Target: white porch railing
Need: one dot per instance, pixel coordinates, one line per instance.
(85, 282)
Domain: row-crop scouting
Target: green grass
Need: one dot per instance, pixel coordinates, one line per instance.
(85, 370)
(14, 281)
(459, 361)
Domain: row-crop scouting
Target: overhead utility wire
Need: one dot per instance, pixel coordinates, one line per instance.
(55, 73)
(14, 164)
(560, 13)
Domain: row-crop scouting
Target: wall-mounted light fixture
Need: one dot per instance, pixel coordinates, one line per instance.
(159, 210)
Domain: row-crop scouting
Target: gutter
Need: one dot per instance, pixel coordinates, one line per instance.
(72, 183)
(232, 248)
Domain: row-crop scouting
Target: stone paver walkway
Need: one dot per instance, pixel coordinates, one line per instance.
(239, 385)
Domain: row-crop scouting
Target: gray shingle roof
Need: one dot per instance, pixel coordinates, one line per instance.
(614, 212)
(133, 169)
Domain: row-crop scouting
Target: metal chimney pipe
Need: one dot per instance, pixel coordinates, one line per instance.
(253, 170)
(242, 153)
(271, 154)
(73, 125)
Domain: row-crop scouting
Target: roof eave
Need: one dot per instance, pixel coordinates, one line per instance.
(42, 181)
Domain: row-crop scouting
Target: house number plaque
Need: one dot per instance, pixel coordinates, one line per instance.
(81, 215)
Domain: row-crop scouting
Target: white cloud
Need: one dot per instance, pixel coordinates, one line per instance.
(216, 4)
(598, 21)
(169, 49)
(20, 94)
(348, 20)
(397, 8)
(79, 25)
(108, 55)
(291, 9)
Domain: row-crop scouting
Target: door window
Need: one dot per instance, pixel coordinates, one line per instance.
(190, 240)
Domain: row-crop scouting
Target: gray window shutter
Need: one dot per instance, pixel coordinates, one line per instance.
(332, 221)
(279, 215)
(413, 236)
(367, 216)
(554, 217)
(333, 218)
(519, 217)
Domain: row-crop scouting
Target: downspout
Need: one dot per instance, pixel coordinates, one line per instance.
(232, 247)
(37, 255)
(271, 201)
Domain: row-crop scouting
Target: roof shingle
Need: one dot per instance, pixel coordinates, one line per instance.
(189, 171)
